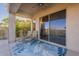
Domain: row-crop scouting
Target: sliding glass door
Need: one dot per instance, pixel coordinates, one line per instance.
(58, 27)
(44, 28)
(53, 28)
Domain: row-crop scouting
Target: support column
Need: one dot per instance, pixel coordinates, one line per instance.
(11, 28)
(49, 29)
(31, 25)
(31, 28)
(38, 27)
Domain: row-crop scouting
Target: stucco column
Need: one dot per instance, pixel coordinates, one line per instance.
(38, 27)
(31, 25)
(12, 23)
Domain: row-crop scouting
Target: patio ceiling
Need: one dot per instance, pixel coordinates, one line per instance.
(28, 9)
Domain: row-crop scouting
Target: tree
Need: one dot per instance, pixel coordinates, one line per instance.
(21, 25)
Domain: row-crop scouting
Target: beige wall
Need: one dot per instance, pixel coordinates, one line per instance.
(72, 23)
(73, 27)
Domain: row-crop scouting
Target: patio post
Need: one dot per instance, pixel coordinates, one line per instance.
(38, 27)
(11, 34)
(31, 28)
(31, 25)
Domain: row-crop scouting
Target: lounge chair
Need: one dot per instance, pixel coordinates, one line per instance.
(28, 37)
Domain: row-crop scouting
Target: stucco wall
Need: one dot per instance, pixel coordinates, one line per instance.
(73, 27)
(72, 23)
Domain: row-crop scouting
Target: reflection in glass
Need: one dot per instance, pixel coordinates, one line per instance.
(53, 29)
(44, 28)
(57, 31)
(58, 27)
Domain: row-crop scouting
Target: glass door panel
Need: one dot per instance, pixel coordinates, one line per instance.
(44, 28)
(57, 31)
(58, 28)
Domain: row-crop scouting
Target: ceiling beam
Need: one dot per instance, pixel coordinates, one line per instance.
(14, 7)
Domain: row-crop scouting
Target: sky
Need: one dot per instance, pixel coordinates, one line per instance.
(57, 24)
(3, 11)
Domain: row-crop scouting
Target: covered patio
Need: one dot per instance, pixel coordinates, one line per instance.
(36, 12)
